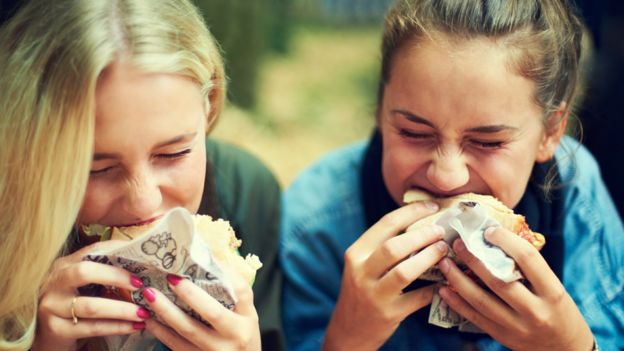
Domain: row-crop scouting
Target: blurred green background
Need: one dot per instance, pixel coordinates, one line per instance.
(302, 75)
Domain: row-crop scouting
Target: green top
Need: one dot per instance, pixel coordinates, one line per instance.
(248, 196)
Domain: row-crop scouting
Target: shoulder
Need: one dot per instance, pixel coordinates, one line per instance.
(338, 166)
(248, 193)
(233, 163)
(576, 164)
(326, 195)
(327, 183)
(594, 241)
(584, 190)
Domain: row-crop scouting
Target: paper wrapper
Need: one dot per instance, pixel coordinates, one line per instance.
(170, 247)
(468, 221)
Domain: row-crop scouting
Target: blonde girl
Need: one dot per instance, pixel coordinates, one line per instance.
(105, 107)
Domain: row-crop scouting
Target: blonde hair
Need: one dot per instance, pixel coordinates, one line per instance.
(544, 38)
(52, 53)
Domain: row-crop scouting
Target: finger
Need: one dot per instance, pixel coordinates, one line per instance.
(414, 300)
(403, 274)
(531, 263)
(392, 224)
(187, 327)
(85, 272)
(480, 300)
(98, 246)
(167, 336)
(459, 305)
(515, 294)
(224, 321)
(244, 294)
(66, 329)
(397, 248)
(101, 308)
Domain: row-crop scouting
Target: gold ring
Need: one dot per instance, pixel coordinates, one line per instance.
(73, 310)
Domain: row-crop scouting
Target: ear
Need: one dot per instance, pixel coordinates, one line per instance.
(554, 130)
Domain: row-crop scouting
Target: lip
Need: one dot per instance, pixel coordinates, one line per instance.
(144, 222)
(440, 195)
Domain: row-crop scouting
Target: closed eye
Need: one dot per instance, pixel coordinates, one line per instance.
(175, 155)
(96, 172)
(487, 144)
(409, 134)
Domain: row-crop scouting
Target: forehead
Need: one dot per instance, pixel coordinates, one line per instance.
(132, 105)
(463, 77)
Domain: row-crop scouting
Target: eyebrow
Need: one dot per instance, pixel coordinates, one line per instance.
(412, 117)
(489, 129)
(178, 139)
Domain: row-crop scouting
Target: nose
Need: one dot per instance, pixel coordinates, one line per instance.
(143, 196)
(448, 171)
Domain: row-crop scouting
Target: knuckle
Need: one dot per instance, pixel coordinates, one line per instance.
(242, 341)
(244, 293)
(391, 219)
(497, 284)
(352, 260)
(390, 250)
(86, 309)
(56, 328)
(481, 305)
(45, 305)
(188, 330)
(388, 316)
(81, 270)
(527, 255)
(98, 328)
(402, 275)
(540, 320)
(557, 296)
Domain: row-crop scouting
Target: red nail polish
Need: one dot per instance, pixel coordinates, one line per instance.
(143, 313)
(138, 325)
(136, 282)
(149, 295)
(174, 279)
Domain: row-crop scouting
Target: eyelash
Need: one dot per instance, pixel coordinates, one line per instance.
(489, 145)
(162, 156)
(175, 155)
(411, 135)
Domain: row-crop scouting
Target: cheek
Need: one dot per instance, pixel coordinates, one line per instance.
(99, 199)
(506, 176)
(399, 163)
(186, 182)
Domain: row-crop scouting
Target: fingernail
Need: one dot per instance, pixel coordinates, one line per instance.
(443, 292)
(444, 265)
(143, 313)
(488, 232)
(431, 205)
(138, 325)
(459, 245)
(441, 246)
(149, 295)
(136, 281)
(174, 279)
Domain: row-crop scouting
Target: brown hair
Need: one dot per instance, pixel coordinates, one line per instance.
(544, 37)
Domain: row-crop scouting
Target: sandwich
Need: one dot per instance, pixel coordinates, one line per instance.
(467, 216)
(218, 235)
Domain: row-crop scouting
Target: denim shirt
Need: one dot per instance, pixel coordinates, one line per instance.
(323, 215)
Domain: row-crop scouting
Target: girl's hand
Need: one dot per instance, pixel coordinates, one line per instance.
(95, 316)
(228, 330)
(541, 316)
(378, 266)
